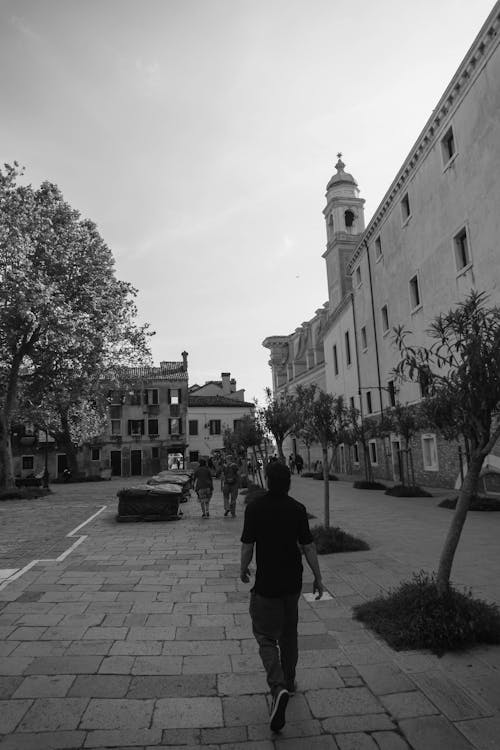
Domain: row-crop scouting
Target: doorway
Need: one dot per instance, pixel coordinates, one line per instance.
(116, 463)
(62, 463)
(396, 459)
(135, 463)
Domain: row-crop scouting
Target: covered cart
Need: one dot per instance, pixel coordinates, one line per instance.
(172, 477)
(149, 502)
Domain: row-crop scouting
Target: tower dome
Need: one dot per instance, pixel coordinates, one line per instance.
(342, 182)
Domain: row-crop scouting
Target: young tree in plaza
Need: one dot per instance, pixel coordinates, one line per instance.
(461, 369)
(278, 417)
(327, 418)
(247, 435)
(63, 313)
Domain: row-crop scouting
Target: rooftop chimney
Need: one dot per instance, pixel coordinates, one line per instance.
(184, 361)
(226, 383)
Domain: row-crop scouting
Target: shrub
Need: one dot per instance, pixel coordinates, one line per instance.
(415, 616)
(319, 475)
(401, 490)
(333, 539)
(478, 502)
(307, 474)
(363, 484)
(24, 493)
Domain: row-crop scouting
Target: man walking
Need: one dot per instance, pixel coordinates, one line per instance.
(230, 487)
(277, 524)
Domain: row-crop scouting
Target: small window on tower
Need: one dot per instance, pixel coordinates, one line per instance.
(349, 218)
(448, 146)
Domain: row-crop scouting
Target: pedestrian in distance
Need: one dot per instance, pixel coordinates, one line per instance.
(230, 485)
(299, 463)
(291, 463)
(203, 486)
(277, 527)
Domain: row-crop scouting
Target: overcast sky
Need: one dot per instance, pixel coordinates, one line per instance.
(200, 135)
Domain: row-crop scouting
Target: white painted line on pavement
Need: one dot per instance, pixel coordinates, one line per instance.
(61, 557)
(7, 572)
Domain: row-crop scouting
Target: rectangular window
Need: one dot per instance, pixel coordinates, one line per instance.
(174, 427)
(135, 398)
(335, 360)
(155, 452)
(193, 455)
(28, 463)
(429, 453)
(372, 447)
(351, 403)
(405, 208)
(236, 424)
(174, 396)
(136, 427)
(448, 145)
(369, 405)
(116, 427)
(378, 247)
(347, 349)
(462, 254)
(215, 427)
(414, 293)
(152, 427)
(385, 318)
(391, 390)
(95, 454)
(364, 338)
(358, 276)
(355, 450)
(193, 427)
(151, 396)
(115, 412)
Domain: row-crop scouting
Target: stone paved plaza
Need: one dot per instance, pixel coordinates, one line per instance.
(138, 635)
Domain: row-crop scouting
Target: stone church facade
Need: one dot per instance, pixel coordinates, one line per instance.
(433, 238)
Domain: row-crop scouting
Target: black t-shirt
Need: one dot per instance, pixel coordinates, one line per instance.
(277, 524)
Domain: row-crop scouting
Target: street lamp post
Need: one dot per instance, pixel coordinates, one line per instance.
(45, 481)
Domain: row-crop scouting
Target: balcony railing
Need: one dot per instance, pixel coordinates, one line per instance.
(115, 438)
(153, 436)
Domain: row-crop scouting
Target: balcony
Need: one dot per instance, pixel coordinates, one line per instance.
(136, 436)
(175, 410)
(153, 436)
(115, 438)
(153, 408)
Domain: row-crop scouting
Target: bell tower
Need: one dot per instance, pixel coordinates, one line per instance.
(345, 223)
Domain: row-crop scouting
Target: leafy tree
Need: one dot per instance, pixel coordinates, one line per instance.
(247, 435)
(461, 368)
(405, 420)
(278, 417)
(63, 313)
(326, 417)
(361, 431)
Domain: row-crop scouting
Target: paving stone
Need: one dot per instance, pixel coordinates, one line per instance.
(342, 702)
(322, 658)
(157, 665)
(26, 633)
(136, 648)
(122, 713)
(385, 678)
(199, 634)
(355, 741)
(433, 733)
(44, 686)
(449, 697)
(181, 737)
(53, 714)
(323, 742)
(319, 641)
(151, 634)
(366, 653)
(201, 648)
(64, 665)
(306, 728)
(9, 685)
(11, 713)
(188, 712)
(42, 648)
(43, 741)
(252, 710)
(390, 741)
(117, 665)
(242, 684)
(167, 686)
(91, 648)
(223, 735)
(216, 663)
(405, 705)
(99, 686)
(7, 647)
(99, 633)
(40, 620)
(14, 664)
(129, 738)
(482, 733)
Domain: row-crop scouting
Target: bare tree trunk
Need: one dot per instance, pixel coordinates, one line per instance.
(68, 445)
(468, 489)
(326, 487)
(7, 480)
(308, 458)
(281, 455)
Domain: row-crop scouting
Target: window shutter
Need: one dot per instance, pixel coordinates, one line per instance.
(179, 392)
(180, 426)
(168, 395)
(129, 428)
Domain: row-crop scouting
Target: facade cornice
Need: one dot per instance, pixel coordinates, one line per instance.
(342, 238)
(333, 317)
(474, 61)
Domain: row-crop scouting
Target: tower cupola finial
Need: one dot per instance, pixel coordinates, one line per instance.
(340, 164)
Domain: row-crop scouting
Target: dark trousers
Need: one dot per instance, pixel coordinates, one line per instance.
(274, 624)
